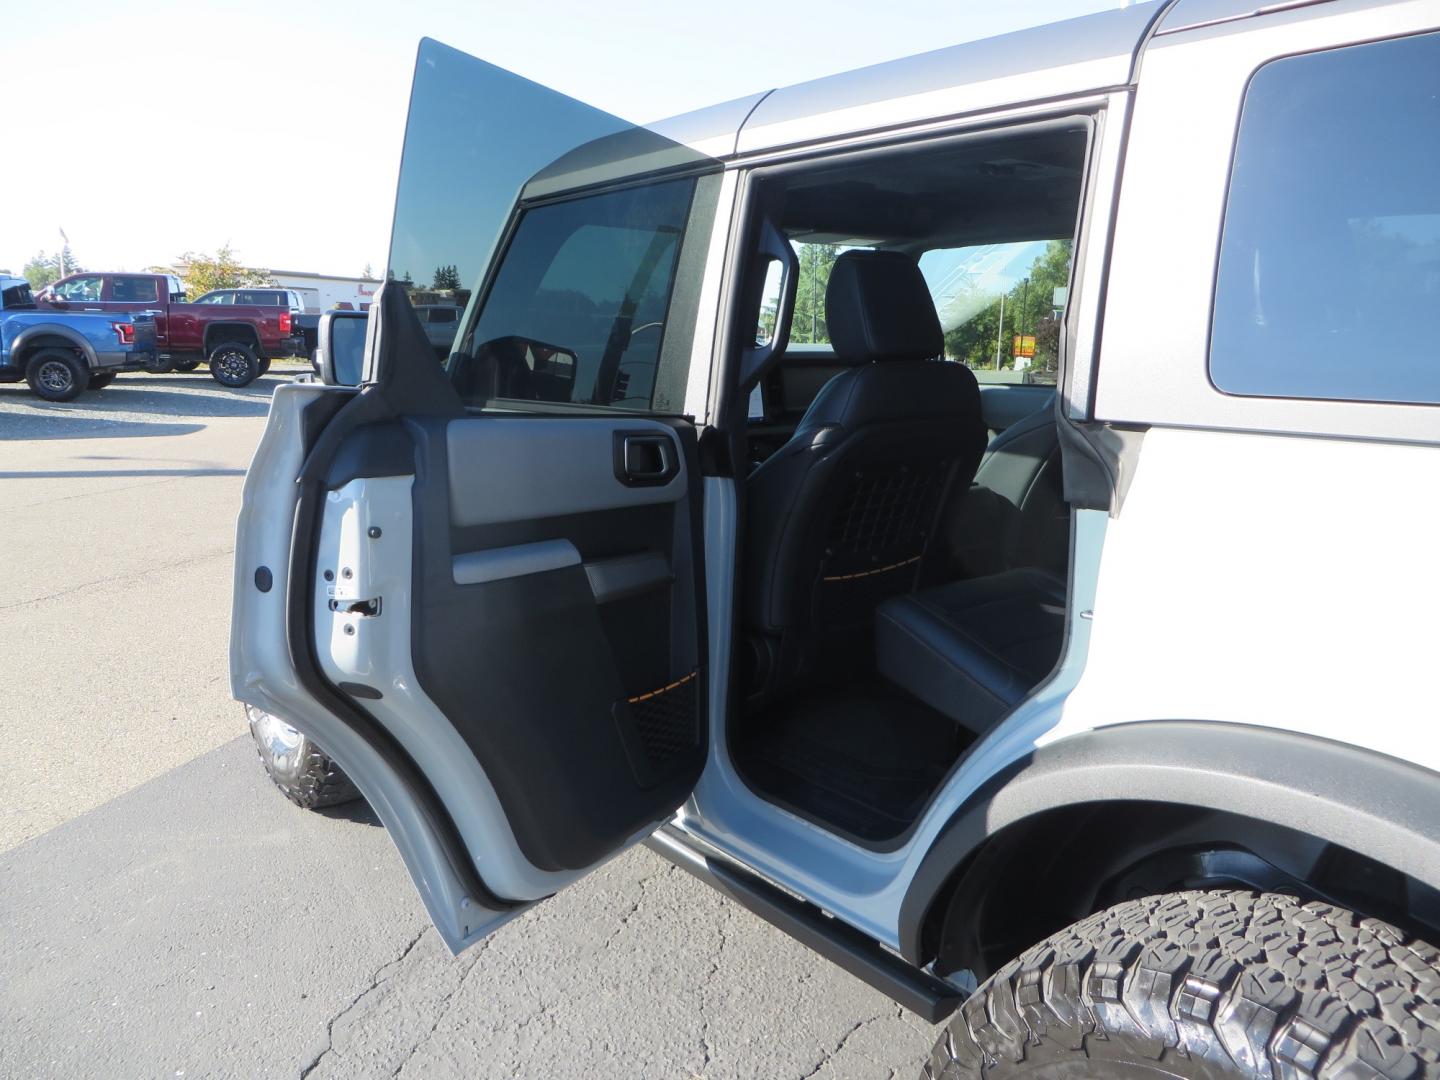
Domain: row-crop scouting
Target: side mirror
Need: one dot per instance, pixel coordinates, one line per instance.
(339, 358)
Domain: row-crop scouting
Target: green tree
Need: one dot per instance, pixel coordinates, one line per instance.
(204, 273)
(446, 277)
(1029, 307)
(42, 269)
(808, 322)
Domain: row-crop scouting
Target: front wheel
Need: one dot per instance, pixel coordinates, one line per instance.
(100, 380)
(188, 364)
(234, 364)
(303, 772)
(1206, 985)
(57, 375)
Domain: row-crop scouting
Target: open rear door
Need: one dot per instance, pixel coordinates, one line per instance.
(488, 577)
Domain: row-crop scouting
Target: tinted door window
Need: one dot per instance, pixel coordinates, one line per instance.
(585, 284)
(1329, 276)
(135, 290)
(261, 298)
(16, 296)
(217, 298)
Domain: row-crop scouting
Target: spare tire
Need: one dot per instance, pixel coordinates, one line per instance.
(234, 364)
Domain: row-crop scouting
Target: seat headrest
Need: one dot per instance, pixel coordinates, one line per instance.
(878, 307)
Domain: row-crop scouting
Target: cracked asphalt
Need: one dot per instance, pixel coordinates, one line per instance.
(164, 912)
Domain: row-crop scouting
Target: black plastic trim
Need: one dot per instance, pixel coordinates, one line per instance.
(1381, 807)
(839, 942)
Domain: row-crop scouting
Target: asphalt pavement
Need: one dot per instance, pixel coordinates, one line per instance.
(164, 912)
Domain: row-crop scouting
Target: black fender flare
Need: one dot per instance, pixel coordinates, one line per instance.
(243, 332)
(43, 330)
(1379, 806)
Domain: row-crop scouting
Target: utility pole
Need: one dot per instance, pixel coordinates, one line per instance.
(999, 331)
(63, 246)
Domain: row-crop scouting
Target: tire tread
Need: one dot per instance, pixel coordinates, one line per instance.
(1210, 984)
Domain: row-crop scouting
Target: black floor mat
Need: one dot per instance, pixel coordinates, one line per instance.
(862, 759)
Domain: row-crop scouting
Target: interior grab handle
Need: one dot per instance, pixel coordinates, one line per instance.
(646, 457)
(758, 358)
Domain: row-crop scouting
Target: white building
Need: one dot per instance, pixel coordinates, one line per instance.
(321, 292)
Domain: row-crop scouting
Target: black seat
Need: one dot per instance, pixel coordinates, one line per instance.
(841, 515)
(1015, 514)
(973, 649)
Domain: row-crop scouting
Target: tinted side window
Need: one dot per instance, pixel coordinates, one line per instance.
(16, 296)
(1329, 276)
(578, 309)
(261, 298)
(135, 290)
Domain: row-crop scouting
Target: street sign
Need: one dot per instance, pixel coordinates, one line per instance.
(1024, 346)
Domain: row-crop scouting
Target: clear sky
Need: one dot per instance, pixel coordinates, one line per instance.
(146, 129)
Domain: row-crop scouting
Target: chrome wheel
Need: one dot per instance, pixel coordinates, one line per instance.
(303, 772)
(277, 737)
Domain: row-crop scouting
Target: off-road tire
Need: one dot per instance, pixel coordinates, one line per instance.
(264, 365)
(305, 775)
(189, 364)
(56, 374)
(1206, 984)
(100, 380)
(234, 364)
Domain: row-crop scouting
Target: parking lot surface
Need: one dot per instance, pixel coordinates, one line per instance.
(164, 912)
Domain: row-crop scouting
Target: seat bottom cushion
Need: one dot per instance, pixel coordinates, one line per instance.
(973, 649)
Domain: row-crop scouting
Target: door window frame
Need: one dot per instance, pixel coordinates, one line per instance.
(695, 229)
(730, 409)
(861, 885)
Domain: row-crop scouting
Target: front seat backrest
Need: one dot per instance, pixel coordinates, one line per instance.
(841, 516)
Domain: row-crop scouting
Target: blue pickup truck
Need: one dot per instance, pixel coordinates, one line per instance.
(62, 354)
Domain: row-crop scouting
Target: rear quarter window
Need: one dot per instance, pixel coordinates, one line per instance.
(135, 290)
(1328, 283)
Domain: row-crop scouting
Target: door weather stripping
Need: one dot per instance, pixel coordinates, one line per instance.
(922, 993)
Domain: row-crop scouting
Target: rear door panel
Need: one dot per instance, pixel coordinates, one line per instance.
(525, 623)
(498, 596)
(533, 510)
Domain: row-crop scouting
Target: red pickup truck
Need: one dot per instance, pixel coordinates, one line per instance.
(237, 340)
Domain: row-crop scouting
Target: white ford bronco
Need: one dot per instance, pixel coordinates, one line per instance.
(979, 511)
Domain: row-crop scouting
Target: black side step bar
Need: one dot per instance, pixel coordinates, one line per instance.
(920, 992)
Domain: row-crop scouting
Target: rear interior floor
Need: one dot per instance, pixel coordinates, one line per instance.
(862, 758)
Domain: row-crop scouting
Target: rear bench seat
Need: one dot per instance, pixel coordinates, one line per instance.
(973, 649)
